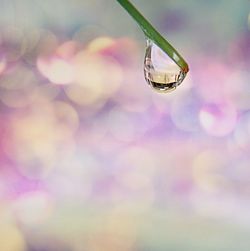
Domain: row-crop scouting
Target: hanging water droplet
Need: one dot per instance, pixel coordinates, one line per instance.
(161, 72)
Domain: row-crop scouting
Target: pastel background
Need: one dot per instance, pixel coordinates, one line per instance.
(91, 159)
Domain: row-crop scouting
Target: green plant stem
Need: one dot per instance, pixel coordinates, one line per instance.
(154, 35)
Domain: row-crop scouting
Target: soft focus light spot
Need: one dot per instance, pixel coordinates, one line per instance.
(126, 126)
(100, 43)
(12, 43)
(11, 238)
(18, 84)
(218, 120)
(43, 43)
(33, 208)
(38, 140)
(212, 90)
(132, 100)
(67, 50)
(241, 134)
(16, 98)
(123, 50)
(97, 78)
(66, 118)
(82, 95)
(207, 119)
(87, 33)
(57, 70)
(120, 126)
(102, 72)
(44, 134)
(238, 174)
(45, 92)
(206, 170)
(75, 178)
(19, 77)
(20, 88)
(58, 66)
(185, 112)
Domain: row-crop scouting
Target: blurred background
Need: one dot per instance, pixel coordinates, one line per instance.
(92, 159)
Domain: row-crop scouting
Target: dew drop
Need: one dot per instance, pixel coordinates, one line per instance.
(160, 71)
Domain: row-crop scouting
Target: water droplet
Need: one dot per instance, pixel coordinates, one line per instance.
(161, 72)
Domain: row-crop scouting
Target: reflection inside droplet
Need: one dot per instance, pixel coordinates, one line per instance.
(161, 72)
